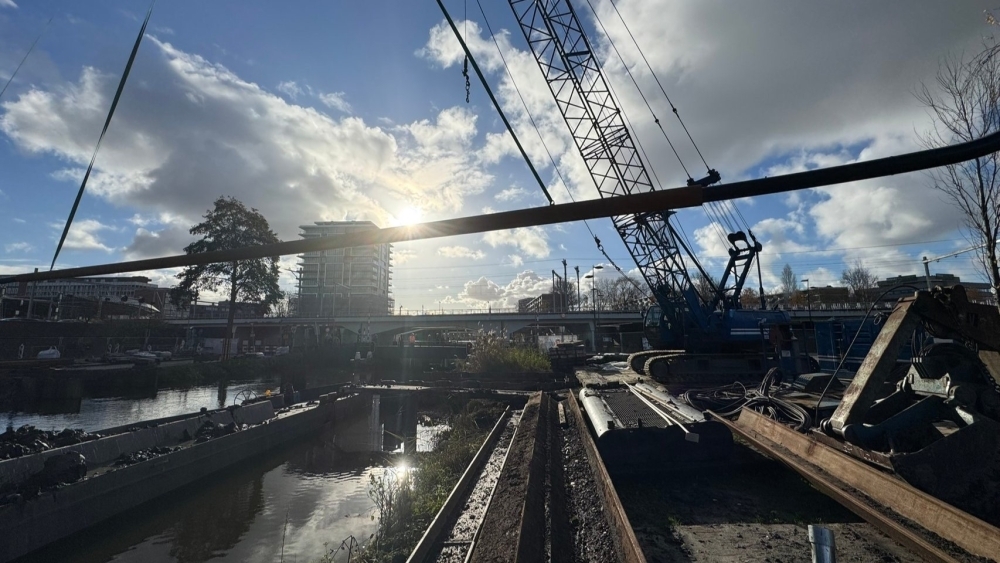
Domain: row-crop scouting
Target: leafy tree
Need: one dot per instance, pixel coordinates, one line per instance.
(964, 103)
(789, 283)
(230, 224)
(861, 281)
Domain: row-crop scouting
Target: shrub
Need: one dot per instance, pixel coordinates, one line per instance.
(492, 353)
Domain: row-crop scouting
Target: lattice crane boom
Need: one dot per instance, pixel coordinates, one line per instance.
(581, 92)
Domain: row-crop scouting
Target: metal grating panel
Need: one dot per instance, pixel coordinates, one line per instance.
(629, 409)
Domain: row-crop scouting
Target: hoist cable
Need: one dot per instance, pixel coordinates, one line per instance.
(673, 108)
(496, 104)
(643, 96)
(652, 113)
(541, 139)
(25, 57)
(107, 123)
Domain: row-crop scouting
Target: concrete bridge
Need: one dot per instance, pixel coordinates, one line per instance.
(269, 331)
(577, 322)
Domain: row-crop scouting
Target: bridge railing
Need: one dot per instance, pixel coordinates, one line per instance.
(498, 311)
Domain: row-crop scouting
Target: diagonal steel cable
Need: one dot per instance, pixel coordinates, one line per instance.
(107, 122)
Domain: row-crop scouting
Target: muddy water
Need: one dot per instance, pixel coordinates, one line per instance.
(240, 515)
(93, 414)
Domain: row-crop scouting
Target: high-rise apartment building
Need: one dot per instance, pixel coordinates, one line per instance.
(345, 281)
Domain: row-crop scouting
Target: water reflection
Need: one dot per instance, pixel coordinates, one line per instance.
(240, 515)
(95, 413)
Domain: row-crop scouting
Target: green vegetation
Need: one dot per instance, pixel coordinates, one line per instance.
(492, 353)
(406, 500)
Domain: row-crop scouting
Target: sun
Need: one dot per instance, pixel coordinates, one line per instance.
(410, 215)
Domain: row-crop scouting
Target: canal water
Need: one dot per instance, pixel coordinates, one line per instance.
(93, 414)
(301, 500)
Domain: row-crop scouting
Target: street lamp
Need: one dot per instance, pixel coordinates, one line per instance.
(594, 293)
(809, 304)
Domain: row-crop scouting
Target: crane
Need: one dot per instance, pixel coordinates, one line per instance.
(695, 327)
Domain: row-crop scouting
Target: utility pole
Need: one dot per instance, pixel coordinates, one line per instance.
(565, 287)
(577, 268)
(31, 296)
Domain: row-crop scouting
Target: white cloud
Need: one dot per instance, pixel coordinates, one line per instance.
(511, 194)
(290, 88)
(19, 220)
(18, 247)
(515, 260)
(335, 100)
(482, 289)
(153, 244)
(461, 252)
(193, 130)
(530, 240)
(524, 284)
(83, 235)
(789, 113)
(401, 256)
(7, 4)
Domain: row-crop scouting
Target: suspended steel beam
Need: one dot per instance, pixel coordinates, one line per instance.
(676, 198)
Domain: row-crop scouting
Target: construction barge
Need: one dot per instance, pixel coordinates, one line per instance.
(55, 493)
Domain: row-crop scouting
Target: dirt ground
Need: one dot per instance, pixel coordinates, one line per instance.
(751, 509)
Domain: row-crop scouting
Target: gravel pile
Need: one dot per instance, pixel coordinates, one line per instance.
(591, 531)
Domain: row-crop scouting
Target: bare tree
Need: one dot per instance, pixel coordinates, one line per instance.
(705, 285)
(789, 283)
(965, 102)
(750, 298)
(622, 294)
(861, 281)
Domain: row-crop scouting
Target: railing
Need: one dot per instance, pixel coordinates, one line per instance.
(222, 314)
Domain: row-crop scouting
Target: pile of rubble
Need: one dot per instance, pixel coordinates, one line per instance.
(59, 470)
(125, 460)
(28, 440)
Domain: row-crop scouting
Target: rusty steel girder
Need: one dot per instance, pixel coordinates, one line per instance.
(940, 429)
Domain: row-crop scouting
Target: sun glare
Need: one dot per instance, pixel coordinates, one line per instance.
(410, 216)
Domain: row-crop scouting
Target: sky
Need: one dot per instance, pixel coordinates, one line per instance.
(314, 111)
